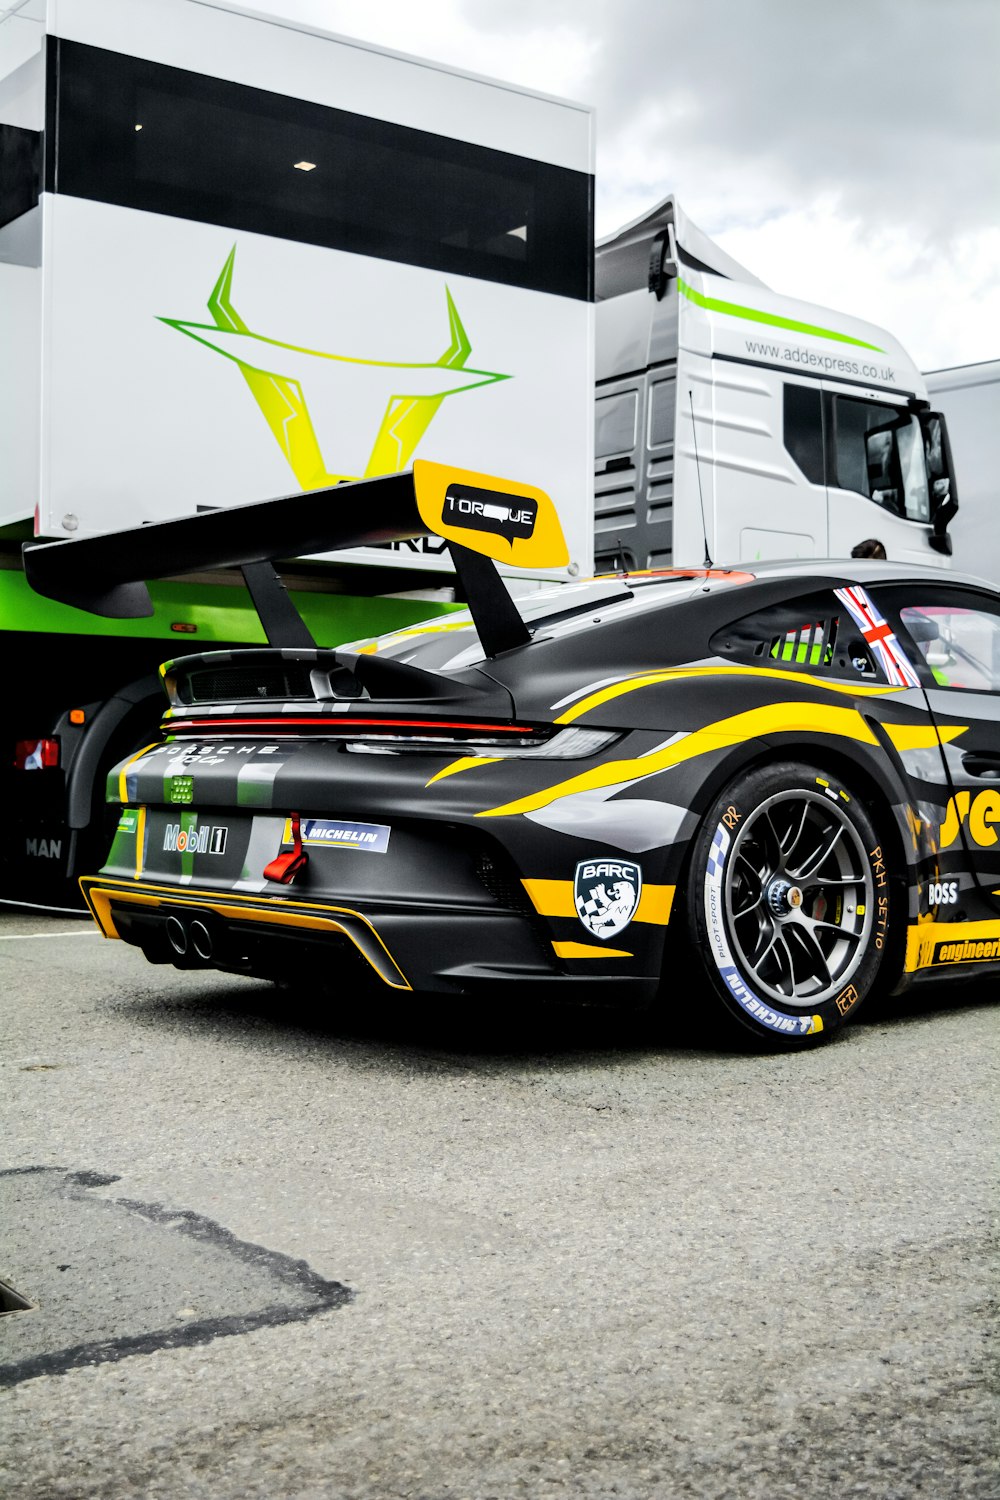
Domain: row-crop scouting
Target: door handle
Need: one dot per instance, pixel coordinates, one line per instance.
(982, 763)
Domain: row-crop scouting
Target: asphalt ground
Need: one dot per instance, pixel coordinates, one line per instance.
(289, 1248)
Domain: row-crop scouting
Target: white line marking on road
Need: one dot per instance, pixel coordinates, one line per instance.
(23, 937)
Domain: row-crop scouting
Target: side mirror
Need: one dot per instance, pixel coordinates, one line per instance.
(940, 472)
(944, 513)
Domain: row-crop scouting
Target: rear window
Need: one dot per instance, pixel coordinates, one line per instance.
(814, 634)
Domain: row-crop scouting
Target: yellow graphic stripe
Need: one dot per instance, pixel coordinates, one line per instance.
(668, 674)
(464, 763)
(280, 400)
(397, 635)
(922, 941)
(922, 736)
(122, 786)
(99, 894)
(140, 838)
(587, 950)
(554, 898)
(773, 718)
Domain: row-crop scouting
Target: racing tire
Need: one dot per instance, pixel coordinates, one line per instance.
(789, 903)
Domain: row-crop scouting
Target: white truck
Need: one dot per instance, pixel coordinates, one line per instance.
(733, 419)
(969, 396)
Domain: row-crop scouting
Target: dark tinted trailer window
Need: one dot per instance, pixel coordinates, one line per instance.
(803, 430)
(614, 428)
(662, 403)
(147, 136)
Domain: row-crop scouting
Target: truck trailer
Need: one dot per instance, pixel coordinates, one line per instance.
(969, 396)
(241, 258)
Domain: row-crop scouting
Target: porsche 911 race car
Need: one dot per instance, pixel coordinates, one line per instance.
(774, 790)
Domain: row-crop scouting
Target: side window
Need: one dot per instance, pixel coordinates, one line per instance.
(853, 421)
(662, 402)
(814, 633)
(614, 430)
(879, 451)
(960, 643)
(803, 430)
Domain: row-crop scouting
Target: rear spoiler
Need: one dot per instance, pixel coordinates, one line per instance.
(484, 519)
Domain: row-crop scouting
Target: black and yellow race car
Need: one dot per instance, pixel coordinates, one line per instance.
(774, 790)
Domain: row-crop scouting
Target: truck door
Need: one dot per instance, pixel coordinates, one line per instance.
(955, 633)
(760, 483)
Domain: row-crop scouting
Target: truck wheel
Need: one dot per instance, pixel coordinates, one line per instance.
(789, 902)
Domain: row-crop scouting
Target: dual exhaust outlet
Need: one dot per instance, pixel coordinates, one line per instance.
(190, 940)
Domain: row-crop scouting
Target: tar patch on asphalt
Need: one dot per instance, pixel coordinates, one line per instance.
(106, 1278)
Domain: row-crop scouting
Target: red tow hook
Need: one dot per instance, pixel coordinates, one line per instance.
(285, 867)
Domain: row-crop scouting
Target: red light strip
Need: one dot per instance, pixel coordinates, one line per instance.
(345, 723)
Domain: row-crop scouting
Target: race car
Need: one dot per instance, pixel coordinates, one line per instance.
(768, 791)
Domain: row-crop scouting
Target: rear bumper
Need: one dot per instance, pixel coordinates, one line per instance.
(406, 947)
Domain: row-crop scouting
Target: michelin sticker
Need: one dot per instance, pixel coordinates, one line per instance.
(606, 892)
(371, 837)
(774, 1020)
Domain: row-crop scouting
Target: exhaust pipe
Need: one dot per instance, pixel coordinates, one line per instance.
(177, 936)
(201, 940)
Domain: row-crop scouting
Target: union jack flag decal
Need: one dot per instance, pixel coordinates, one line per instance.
(879, 636)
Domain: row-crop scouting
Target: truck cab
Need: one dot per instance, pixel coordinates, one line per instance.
(735, 422)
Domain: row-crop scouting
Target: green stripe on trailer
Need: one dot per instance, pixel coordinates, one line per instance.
(754, 315)
(218, 613)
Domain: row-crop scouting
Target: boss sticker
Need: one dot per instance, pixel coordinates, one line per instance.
(942, 892)
(606, 892)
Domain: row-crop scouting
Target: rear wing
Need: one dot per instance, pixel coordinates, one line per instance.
(484, 520)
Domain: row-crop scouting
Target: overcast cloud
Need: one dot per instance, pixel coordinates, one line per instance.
(846, 151)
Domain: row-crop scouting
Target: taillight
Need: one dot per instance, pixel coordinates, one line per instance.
(36, 755)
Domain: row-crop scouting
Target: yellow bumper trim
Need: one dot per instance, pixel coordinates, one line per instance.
(99, 894)
(587, 950)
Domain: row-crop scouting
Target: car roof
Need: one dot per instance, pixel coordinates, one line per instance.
(862, 570)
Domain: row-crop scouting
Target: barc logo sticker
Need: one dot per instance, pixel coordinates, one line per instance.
(606, 892)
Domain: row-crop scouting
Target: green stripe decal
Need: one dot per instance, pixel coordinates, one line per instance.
(219, 614)
(753, 315)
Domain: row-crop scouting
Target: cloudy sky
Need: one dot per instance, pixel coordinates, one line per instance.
(846, 151)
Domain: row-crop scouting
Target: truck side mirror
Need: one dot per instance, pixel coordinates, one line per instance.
(944, 493)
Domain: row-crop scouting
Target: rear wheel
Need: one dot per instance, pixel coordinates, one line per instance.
(789, 902)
